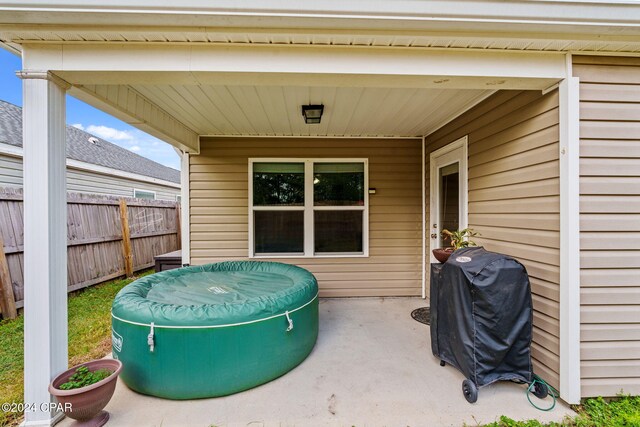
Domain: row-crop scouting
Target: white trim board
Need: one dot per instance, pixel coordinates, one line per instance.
(310, 137)
(185, 203)
(123, 64)
(13, 151)
(570, 240)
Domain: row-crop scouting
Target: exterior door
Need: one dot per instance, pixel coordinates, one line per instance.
(448, 167)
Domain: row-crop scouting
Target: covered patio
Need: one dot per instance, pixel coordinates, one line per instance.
(220, 109)
(222, 104)
(372, 365)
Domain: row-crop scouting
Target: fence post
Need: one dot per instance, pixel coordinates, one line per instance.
(7, 298)
(179, 225)
(126, 238)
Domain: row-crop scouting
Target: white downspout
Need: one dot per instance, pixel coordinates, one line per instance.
(424, 220)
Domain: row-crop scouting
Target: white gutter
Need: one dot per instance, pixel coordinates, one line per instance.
(277, 13)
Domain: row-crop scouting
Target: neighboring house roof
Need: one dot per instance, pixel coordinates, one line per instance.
(80, 148)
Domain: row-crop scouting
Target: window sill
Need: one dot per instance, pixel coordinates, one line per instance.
(280, 256)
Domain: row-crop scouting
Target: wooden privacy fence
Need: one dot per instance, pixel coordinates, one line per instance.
(107, 237)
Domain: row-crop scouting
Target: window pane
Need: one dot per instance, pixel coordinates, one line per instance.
(141, 194)
(338, 231)
(338, 184)
(278, 184)
(278, 231)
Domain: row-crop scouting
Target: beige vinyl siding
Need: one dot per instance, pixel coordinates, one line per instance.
(83, 181)
(514, 202)
(609, 224)
(219, 210)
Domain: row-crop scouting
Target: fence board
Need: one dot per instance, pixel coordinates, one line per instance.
(94, 236)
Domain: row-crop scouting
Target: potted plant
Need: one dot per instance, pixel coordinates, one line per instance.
(458, 239)
(85, 390)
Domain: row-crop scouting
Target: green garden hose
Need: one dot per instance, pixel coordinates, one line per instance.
(552, 391)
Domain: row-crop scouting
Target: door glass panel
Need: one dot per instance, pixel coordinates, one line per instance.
(449, 180)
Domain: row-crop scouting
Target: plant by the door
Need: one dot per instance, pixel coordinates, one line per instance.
(458, 239)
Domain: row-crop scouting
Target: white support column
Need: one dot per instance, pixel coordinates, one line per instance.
(45, 241)
(570, 240)
(185, 204)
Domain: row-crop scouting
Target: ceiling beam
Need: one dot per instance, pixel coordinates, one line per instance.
(131, 107)
(295, 65)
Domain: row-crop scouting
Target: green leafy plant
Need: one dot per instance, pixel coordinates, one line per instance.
(83, 377)
(460, 238)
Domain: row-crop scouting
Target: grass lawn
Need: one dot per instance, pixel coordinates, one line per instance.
(89, 338)
(621, 412)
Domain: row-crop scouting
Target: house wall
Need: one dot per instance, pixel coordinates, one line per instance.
(86, 181)
(609, 224)
(90, 182)
(10, 171)
(219, 210)
(514, 198)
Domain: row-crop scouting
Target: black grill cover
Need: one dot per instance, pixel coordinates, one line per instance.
(481, 316)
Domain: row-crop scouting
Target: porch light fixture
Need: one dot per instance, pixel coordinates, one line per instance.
(312, 113)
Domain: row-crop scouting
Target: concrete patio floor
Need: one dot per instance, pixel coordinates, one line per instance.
(372, 366)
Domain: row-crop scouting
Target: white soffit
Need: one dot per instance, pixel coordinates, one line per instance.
(534, 42)
(276, 110)
(539, 25)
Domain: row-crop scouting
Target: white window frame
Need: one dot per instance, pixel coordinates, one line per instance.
(309, 208)
(155, 195)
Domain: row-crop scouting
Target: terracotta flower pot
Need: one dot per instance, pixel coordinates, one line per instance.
(86, 403)
(442, 254)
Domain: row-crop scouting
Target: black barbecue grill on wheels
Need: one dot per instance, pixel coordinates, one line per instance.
(481, 319)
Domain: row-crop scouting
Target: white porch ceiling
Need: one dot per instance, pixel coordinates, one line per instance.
(276, 110)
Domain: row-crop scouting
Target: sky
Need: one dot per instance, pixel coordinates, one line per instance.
(89, 119)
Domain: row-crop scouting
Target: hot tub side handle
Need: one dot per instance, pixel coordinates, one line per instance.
(150, 340)
(290, 327)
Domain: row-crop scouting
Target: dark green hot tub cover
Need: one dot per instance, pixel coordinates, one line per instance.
(215, 329)
(216, 294)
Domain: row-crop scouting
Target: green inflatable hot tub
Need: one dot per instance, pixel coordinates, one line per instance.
(214, 330)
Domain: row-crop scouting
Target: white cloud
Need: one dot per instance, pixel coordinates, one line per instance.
(136, 141)
(108, 133)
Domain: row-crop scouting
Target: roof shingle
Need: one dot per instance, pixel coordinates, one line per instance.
(96, 151)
